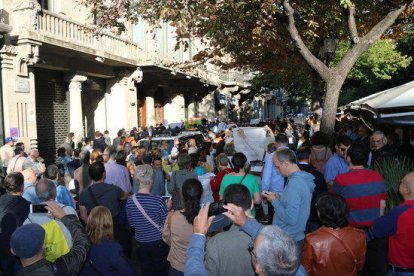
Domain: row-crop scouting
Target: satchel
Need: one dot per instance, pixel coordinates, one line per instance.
(166, 232)
(347, 249)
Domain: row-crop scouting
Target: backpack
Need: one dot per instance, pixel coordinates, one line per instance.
(55, 242)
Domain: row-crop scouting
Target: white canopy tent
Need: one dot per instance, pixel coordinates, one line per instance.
(395, 105)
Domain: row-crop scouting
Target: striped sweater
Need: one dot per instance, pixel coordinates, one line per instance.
(156, 209)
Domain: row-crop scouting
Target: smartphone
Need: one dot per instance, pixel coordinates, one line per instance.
(166, 197)
(38, 208)
(216, 208)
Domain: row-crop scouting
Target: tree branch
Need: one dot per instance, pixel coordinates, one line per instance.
(313, 61)
(379, 29)
(370, 38)
(352, 24)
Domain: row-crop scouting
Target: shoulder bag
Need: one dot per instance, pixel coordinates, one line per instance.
(141, 209)
(346, 249)
(95, 202)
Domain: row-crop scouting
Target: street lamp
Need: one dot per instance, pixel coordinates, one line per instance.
(328, 49)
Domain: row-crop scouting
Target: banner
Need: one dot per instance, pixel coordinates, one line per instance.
(250, 141)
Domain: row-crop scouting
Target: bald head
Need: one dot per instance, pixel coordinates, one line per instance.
(45, 190)
(407, 186)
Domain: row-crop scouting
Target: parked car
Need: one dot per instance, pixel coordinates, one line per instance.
(167, 136)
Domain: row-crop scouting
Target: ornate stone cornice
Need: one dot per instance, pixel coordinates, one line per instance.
(26, 4)
(9, 49)
(137, 75)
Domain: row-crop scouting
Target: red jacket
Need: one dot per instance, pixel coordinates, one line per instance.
(216, 182)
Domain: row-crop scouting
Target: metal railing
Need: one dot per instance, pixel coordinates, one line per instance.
(65, 29)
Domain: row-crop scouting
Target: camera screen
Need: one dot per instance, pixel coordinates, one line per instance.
(38, 208)
(216, 208)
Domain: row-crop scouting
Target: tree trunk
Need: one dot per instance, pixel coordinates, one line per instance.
(333, 88)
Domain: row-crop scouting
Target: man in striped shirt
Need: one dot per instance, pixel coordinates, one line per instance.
(365, 194)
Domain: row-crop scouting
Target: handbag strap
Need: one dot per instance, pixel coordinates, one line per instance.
(244, 176)
(95, 202)
(141, 209)
(15, 163)
(345, 246)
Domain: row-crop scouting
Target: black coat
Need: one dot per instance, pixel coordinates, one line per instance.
(320, 188)
(99, 143)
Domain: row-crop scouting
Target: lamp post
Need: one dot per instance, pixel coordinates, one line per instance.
(328, 49)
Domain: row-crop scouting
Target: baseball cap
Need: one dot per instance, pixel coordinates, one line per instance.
(10, 139)
(27, 240)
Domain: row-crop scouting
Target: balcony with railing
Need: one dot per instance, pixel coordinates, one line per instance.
(48, 27)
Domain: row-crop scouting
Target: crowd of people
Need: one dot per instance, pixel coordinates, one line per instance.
(318, 207)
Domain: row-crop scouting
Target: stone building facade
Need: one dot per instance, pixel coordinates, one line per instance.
(57, 77)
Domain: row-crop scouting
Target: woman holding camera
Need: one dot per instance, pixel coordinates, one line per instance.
(178, 228)
(241, 176)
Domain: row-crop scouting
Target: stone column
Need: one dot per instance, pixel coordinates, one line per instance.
(150, 109)
(75, 105)
(191, 106)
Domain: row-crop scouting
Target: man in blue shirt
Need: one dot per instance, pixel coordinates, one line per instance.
(337, 163)
(63, 195)
(272, 180)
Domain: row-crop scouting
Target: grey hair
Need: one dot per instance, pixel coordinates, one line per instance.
(278, 253)
(380, 133)
(144, 175)
(286, 155)
(184, 161)
(45, 189)
(229, 149)
(111, 151)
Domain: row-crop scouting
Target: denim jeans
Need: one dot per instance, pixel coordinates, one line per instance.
(392, 272)
(153, 258)
(175, 272)
(376, 263)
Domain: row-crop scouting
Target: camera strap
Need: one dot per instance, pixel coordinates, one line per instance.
(91, 194)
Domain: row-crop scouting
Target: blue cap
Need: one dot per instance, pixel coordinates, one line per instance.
(10, 139)
(27, 240)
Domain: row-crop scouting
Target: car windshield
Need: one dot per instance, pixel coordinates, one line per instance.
(158, 143)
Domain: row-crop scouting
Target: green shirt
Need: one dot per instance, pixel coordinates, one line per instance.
(250, 182)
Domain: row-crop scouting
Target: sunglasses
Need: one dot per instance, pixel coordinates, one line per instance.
(343, 149)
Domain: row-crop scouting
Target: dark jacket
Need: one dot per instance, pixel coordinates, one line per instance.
(320, 188)
(382, 154)
(107, 259)
(99, 143)
(69, 264)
